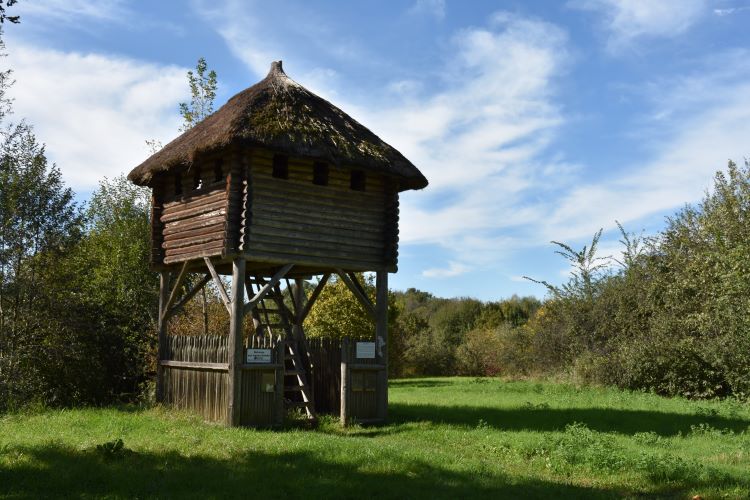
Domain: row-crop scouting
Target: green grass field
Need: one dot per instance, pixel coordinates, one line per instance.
(449, 438)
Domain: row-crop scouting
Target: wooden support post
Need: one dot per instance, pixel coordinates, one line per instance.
(278, 419)
(235, 340)
(163, 320)
(299, 334)
(344, 416)
(381, 342)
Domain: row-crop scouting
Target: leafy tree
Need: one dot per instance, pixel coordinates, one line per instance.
(202, 92)
(38, 219)
(338, 314)
(674, 316)
(113, 262)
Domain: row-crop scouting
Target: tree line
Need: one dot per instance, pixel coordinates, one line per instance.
(78, 300)
(673, 314)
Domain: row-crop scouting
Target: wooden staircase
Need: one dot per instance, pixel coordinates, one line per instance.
(272, 318)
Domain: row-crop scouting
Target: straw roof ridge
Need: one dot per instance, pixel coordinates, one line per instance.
(282, 115)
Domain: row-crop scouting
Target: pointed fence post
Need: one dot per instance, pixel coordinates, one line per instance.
(235, 341)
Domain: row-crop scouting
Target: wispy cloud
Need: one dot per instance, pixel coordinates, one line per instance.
(434, 8)
(94, 111)
(481, 140)
(453, 269)
(628, 20)
(730, 10)
(486, 139)
(75, 11)
(695, 124)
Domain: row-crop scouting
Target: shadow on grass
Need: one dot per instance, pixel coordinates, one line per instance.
(58, 471)
(419, 383)
(553, 419)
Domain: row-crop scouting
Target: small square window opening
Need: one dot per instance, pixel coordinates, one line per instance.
(281, 166)
(320, 174)
(178, 184)
(218, 172)
(357, 180)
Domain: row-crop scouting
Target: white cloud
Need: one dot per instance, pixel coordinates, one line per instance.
(628, 20)
(73, 11)
(729, 11)
(480, 141)
(435, 8)
(484, 140)
(94, 111)
(453, 269)
(702, 120)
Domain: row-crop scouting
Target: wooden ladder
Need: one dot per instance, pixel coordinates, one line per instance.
(297, 391)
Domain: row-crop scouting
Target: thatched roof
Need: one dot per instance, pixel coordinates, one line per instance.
(280, 114)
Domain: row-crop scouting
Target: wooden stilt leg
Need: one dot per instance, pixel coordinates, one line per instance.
(235, 340)
(381, 342)
(162, 326)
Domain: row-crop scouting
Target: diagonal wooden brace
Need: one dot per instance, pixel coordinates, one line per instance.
(313, 297)
(353, 284)
(189, 295)
(219, 284)
(175, 290)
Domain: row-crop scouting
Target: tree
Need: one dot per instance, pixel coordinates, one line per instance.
(202, 92)
(38, 220)
(338, 314)
(114, 280)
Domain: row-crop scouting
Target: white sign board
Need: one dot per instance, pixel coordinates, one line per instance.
(366, 350)
(258, 356)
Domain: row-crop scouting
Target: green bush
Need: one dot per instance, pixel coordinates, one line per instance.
(673, 316)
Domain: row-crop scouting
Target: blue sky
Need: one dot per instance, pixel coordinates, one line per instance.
(533, 120)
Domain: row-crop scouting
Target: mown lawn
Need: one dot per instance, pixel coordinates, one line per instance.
(449, 438)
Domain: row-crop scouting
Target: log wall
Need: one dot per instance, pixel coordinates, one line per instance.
(232, 203)
(295, 220)
(193, 224)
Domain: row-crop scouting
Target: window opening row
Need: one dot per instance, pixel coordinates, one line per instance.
(357, 179)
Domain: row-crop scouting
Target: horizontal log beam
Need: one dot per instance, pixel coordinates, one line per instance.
(277, 255)
(215, 208)
(195, 224)
(195, 365)
(214, 245)
(194, 202)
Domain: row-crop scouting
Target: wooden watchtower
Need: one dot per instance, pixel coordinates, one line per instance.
(277, 185)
